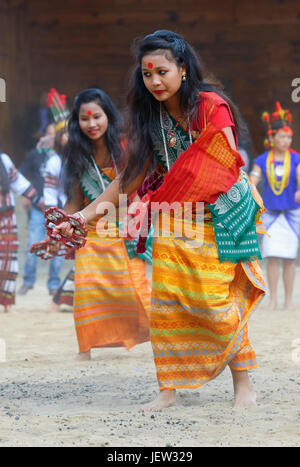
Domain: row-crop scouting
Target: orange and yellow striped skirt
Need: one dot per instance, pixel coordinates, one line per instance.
(200, 309)
(112, 295)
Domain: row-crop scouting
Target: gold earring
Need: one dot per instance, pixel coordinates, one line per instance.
(184, 76)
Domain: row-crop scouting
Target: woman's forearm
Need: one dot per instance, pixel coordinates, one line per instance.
(255, 174)
(111, 195)
(298, 177)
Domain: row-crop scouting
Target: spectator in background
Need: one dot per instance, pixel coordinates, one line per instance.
(243, 152)
(11, 180)
(54, 196)
(279, 167)
(33, 167)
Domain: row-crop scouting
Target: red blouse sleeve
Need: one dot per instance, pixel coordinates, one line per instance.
(223, 118)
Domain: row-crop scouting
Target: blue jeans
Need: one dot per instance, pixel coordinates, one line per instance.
(36, 233)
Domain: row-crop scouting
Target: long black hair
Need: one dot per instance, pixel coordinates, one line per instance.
(4, 179)
(143, 107)
(79, 147)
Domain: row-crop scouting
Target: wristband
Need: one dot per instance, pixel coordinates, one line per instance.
(82, 216)
(55, 216)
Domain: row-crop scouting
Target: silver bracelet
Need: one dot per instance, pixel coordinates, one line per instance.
(256, 174)
(82, 216)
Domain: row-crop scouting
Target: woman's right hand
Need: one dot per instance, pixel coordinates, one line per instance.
(64, 228)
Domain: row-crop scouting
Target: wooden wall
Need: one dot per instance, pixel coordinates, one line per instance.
(252, 46)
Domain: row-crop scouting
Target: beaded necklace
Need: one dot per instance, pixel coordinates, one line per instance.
(99, 173)
(171, 132)
(172, 140)
(277, 186)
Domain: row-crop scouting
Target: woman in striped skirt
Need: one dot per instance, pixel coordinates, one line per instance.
(112, 294)
(203, 290)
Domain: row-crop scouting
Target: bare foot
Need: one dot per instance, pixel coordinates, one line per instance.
(66, 308)
(289, 307)
(9, 309)
(245, 398)
(83, 356)
(54, 307)
(272, 306)
(165, 398)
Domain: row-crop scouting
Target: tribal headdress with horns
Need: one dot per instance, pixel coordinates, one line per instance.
(281, 119)
(58, 106)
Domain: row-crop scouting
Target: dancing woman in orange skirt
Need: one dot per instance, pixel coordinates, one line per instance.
(203, 293)
(112, 294)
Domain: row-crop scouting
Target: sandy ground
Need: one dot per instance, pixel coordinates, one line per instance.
(48, 399)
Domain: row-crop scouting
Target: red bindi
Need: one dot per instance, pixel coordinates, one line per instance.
(150, 65)
(89, 112)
